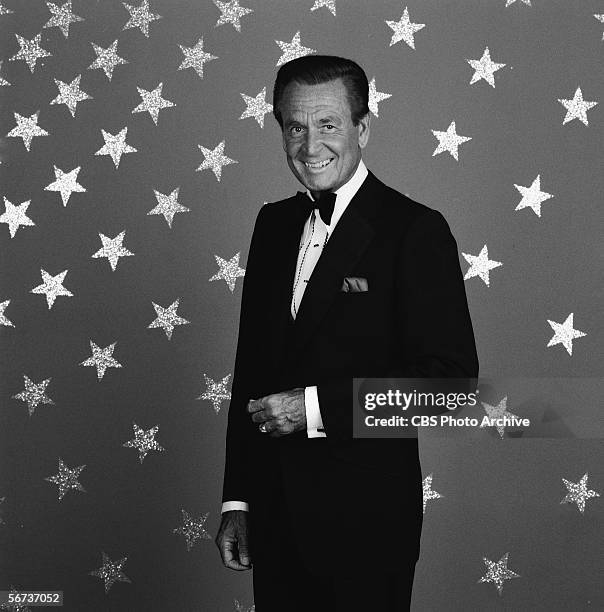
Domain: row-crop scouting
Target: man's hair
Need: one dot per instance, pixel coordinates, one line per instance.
(316, 69)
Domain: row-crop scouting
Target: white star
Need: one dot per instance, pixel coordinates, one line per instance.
(152, 102)
(256, 107)
(3, 319)
(375, 97)
(140, 17)
(115, 146)
(498, 572)
(449, 141)
(4, 10)
(578, 493)
(215, 159)
(216, 392)
(66, 183)
(330, 4)
(231, 12)
(532, 196)
(14, 216)
(484, 68)
(600, 18)
(30, 51)
(195, 57)
(101, 359)
(112, 249)
(508, 2)
(167, 205)
(3, 82)
(480, 265)
(61, 17)
(70, 94)
(52, 287)
(428, 493)
(111, 571)
(404, 29)
(497, 412)
(576, 108)
(229, 270)
(107, 59)
(193, 529)
(144, 441)
(564, 334)
(67, 479)
(34, 394)
(167, 318)
(293, 49)
(27, 128)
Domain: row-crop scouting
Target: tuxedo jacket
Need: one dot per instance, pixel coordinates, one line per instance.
(352, 499)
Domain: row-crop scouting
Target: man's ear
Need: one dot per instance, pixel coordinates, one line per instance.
(363, 130)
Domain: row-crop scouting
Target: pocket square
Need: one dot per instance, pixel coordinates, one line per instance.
(355, 284)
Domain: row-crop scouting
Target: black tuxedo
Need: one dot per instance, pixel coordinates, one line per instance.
(341, 493)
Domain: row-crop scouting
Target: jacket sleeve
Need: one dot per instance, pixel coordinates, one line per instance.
(237, 458)
(434, 331)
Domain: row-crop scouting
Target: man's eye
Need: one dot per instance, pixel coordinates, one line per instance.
(329, 125)
(296, 127)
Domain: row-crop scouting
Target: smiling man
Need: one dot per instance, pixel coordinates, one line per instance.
(348, 278)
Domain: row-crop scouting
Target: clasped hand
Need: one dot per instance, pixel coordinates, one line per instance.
(282, 413)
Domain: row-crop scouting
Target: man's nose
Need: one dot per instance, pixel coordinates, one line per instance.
(313, 142)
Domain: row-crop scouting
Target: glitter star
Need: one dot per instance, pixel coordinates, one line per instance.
(107, 59)
(101, 359)
(239, 607)
(532, 196)
(27, 128)
(229, 270)
(564, 333)
(66, 183)
(600, 18)
(70, 94)
(404, 29)
(195, 57)
(231, 12)
(484, 68)
(497, 412)
(140, 17)
(498, 572)
(152, 102)
(576, 108)
(61, 17)
(115, 146)
(30, 51)
(215, 159)
(578, 493)
(14, 607)
(428, 492)
(193, 529)
(167, 318)
(14, 216)
(480, 265)
(112, 249)
(293, 49)
(67, 479)
(52, 287)
(4, 10)
(111, 572)
(330, 4)
(216, 392)
(3, 319)
(256, 107)
(449, 140)
(508, 2)
(375, 97)
(34, 394)
(144, 441)
(3, 82)
(167, 205)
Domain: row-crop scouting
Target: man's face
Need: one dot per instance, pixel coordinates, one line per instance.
(317, 127)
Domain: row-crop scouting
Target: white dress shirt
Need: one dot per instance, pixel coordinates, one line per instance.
(314, 237)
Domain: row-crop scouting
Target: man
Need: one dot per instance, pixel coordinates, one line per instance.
(363, 283)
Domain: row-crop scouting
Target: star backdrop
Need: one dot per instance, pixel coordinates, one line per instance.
(137, 146)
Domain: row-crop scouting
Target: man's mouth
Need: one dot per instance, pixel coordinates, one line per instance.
(319, 164)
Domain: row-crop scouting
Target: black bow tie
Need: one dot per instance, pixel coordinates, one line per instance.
(325, 204)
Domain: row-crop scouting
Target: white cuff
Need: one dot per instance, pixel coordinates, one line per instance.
(314, 422)
(235, 505)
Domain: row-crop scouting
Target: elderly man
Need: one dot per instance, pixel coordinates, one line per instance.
(348, 278)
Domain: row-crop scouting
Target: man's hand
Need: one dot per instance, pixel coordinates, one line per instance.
(281, 413)
(232, 540)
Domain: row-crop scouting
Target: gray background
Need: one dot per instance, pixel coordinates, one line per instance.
(500, 495)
